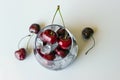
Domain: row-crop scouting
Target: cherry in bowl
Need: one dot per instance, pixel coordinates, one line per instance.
(55, 47)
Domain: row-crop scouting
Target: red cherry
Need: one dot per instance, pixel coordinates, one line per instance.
(61, 32)
(49, 36)
(20, 54)
(87, 33)
(61, 52)
(34, 28)
(39, 52)
(50, 56)
(65, 42)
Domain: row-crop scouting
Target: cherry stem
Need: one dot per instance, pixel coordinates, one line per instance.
(91, 46)
(58, 9)
(66, 35)
(21, 40)
(29, 41)
(30, 36)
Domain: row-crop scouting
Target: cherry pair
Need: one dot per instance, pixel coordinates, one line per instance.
(20, 54)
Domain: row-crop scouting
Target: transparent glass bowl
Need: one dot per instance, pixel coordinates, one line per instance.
(58, 63)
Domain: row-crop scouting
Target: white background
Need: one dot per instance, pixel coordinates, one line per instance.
(102, 62)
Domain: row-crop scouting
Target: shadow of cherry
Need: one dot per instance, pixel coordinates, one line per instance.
(76, 30)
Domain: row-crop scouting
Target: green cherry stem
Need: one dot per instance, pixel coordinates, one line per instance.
(58, 9)
(30, 36)
(61, 17)
(21, 40)
(55, 14)
(29, 40)
(91, 46)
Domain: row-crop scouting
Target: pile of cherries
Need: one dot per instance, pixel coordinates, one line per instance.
(60, 38)
(48, 36)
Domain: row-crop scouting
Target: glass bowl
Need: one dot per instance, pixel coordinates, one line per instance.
(58, 63)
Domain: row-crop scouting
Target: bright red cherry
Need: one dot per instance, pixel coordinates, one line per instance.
(50, 56)
(61, 52)
(65, 42)
(34, 28)
(48, 36)
(20, 54)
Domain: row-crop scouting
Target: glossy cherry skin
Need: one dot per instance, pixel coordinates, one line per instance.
(34, 28)
(20, 54)
(49, 56)
(65, 43)
(87, 32)
(61, 52)
(48, 36)
(62, 32)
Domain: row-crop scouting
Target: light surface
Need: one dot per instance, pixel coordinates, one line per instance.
(101, 63)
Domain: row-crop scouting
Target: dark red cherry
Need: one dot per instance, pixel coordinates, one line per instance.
(48, 36)
(61, 32)
(87, 32)
(61, 52)
(20, 54)
(34, 28)
(65, 42)
(50, 56)
(39, 52)
(44, 43)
